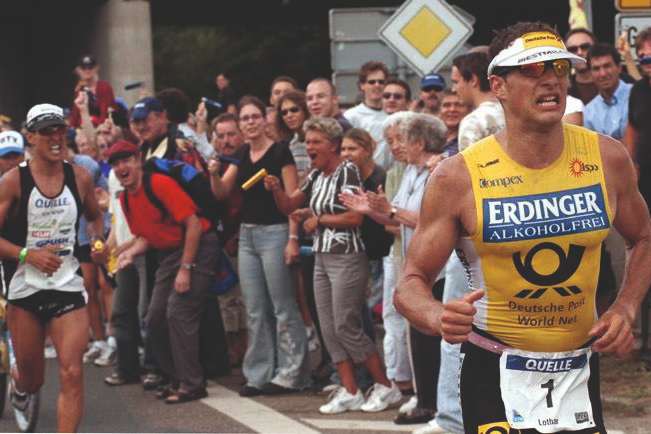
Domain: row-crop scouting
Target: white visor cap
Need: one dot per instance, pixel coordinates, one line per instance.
(531, 48)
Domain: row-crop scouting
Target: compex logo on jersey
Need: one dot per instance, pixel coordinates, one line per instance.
(545, 215)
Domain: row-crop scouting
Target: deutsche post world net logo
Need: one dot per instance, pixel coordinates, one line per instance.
(544, 215)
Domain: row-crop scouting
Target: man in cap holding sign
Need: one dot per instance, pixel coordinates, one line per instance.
(40, 207)
(527, 210)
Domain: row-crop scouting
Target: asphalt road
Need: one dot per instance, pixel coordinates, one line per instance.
(130, 409)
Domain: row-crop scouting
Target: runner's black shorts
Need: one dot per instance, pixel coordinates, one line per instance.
(83, 254)
(48, 304)
(481, 400)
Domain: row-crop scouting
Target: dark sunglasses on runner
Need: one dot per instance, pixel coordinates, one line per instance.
(575, 48)
(286, 111)
(561, 68)
(49, 131)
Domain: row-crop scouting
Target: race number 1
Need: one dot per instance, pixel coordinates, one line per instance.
(546, 391)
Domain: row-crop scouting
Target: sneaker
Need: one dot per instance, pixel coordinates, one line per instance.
(107, 357)
(151, 381)
(117, 380)
(381, 397)
(408, 406)
(431, 428)
(19, 400)
(94, 351)
(343, 401)
(50, 352)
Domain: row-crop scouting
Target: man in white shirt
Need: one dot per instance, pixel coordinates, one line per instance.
(368, 114)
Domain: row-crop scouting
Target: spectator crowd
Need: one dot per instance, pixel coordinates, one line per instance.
(317, 242)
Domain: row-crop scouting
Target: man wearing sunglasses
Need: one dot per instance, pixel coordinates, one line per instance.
(40, 207)
(578, 41)
(396, 96)
(431, 87)
(527, 210)
(368, 114)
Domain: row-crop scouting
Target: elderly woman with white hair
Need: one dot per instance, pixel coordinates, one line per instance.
(424, 137)
(396, 352)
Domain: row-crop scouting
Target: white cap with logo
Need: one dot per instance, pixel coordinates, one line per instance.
(44, 115)
(531, 48)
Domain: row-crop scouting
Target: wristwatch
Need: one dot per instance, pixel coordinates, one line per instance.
(394, 210)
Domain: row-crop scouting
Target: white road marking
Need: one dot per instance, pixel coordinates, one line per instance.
(254, 415)
(366, 425)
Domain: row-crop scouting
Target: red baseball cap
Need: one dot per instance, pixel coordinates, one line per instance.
(121, 149)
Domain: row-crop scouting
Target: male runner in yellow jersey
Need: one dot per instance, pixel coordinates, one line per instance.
(526, 210)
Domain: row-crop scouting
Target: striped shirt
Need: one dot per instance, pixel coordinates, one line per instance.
(323, 191)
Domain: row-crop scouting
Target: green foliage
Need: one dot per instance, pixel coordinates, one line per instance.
(191, 57)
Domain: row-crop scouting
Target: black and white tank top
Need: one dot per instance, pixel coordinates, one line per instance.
(45, 222)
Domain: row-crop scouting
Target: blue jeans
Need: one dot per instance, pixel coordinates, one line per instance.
(448, 414)
(269, 295)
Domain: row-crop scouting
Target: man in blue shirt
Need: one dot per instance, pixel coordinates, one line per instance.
(607, 113)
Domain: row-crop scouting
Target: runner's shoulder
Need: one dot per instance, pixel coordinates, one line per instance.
(452, 175)
(10, 183)
(613, 153)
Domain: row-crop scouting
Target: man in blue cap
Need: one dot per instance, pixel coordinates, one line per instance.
(431, 87)
(12, 150)
(150, 121)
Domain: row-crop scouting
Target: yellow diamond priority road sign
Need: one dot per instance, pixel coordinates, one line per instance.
(425, 33)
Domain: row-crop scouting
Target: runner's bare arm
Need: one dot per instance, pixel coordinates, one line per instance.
(633, 223)
(431, 245)
(9, 195)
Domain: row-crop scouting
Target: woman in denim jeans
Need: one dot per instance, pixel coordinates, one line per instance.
(276, 360)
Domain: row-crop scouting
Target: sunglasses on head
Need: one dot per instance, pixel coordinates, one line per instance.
(575, 48)
(286, 111)
(398, 96)
(373, 82)
(49, 131)
(561, 67)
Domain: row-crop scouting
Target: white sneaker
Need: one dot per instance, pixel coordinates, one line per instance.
(431, 428)
(94, 351)
(107, 357)
(381, 397)
(343, 401)
(408, 406)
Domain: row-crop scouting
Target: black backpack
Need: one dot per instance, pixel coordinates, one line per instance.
(192, 182)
